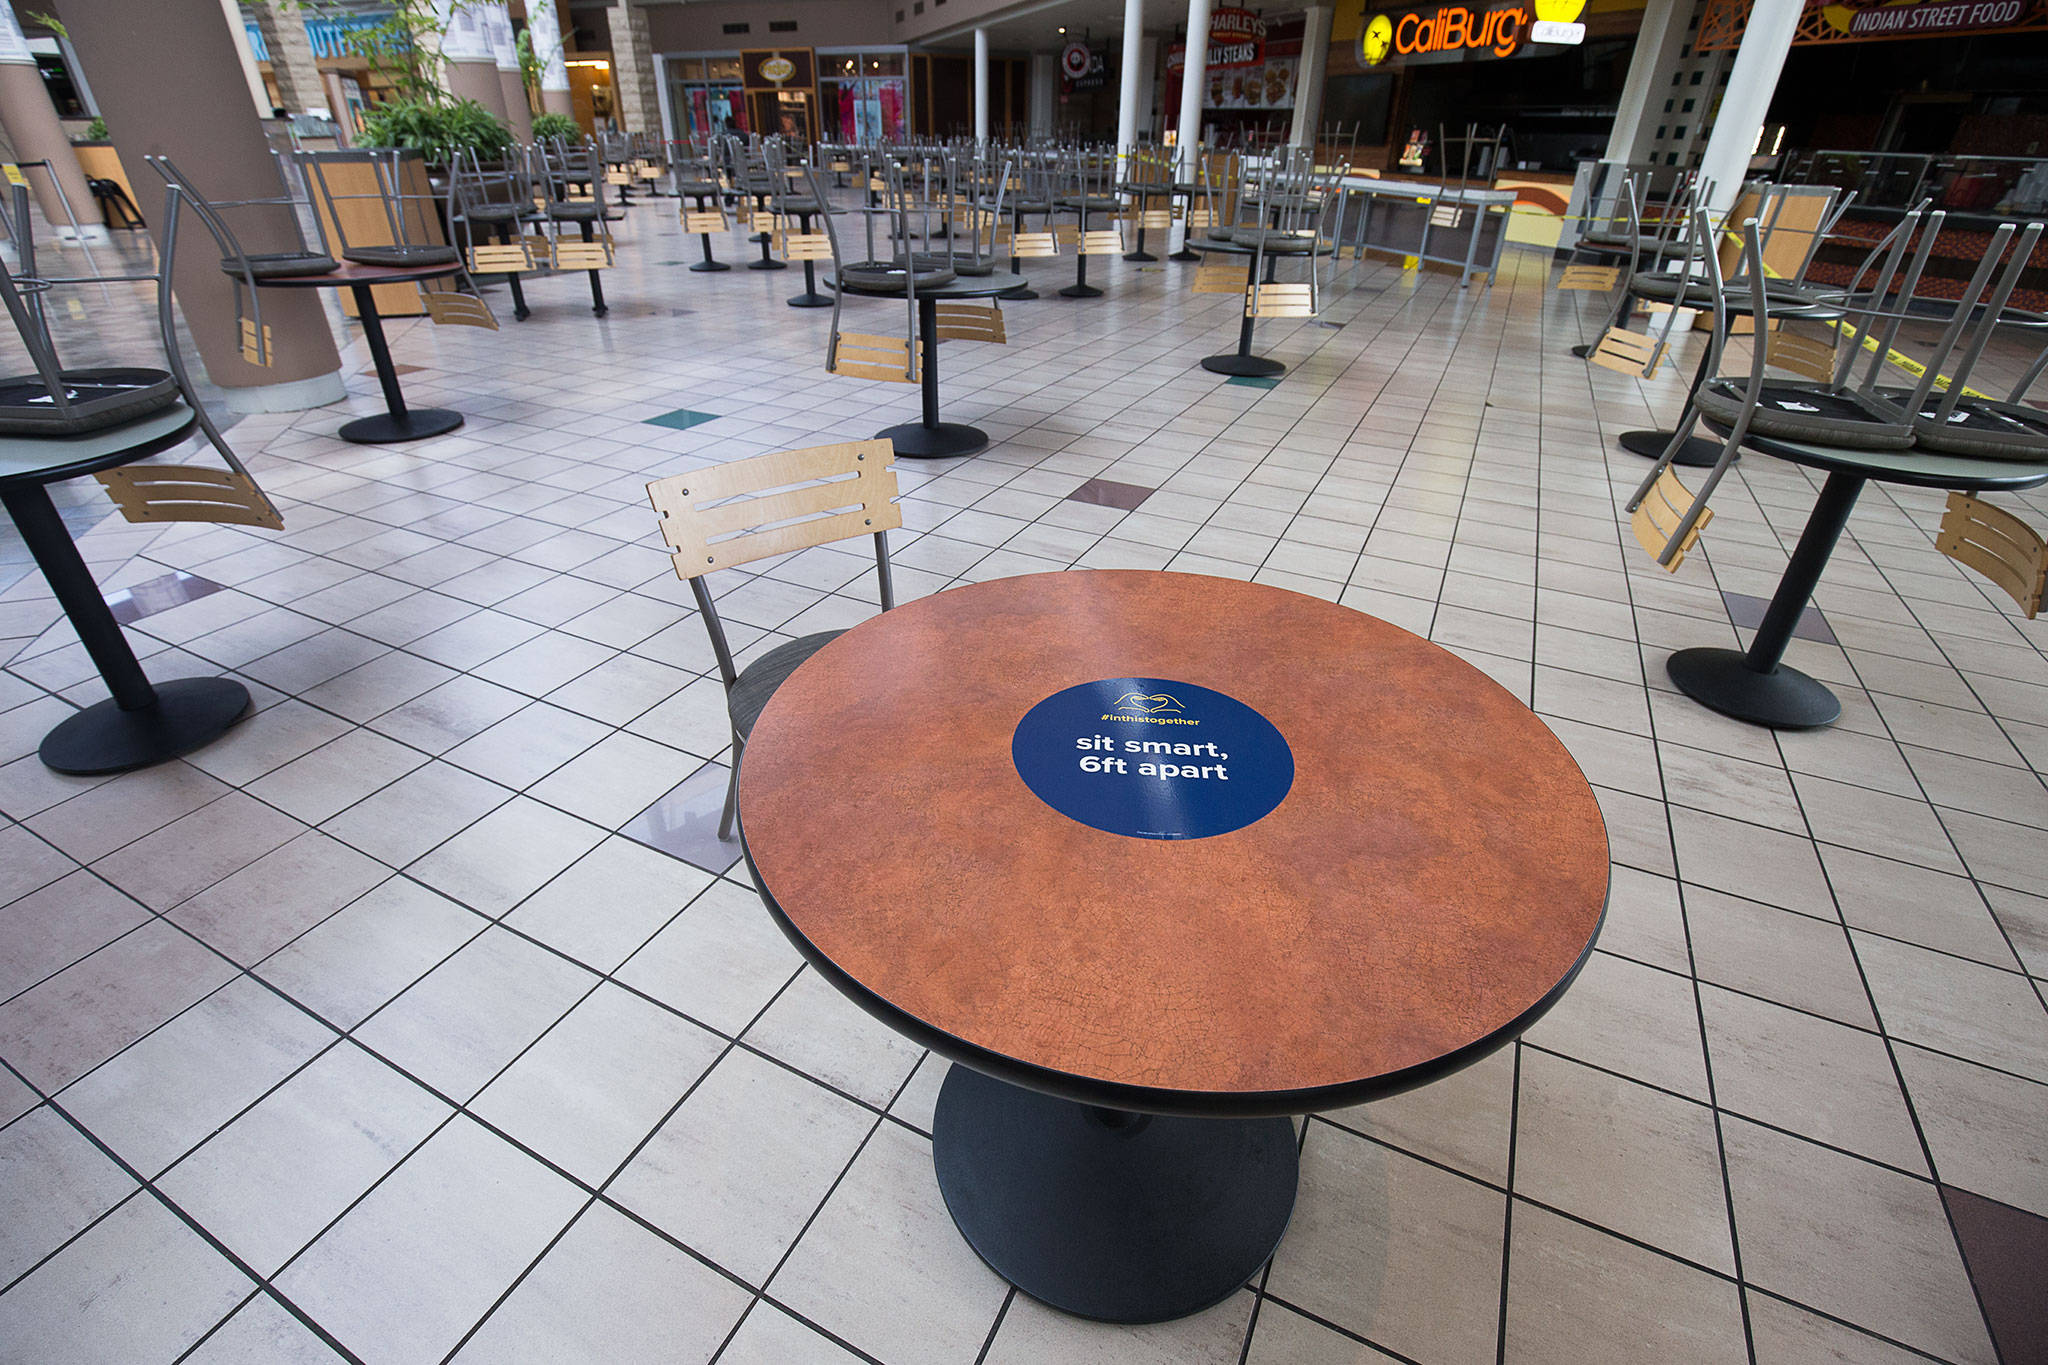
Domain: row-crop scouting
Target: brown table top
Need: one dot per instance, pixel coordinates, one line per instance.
(1431, 881)
(349, 273)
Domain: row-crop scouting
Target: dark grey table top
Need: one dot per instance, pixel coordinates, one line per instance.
(46, 459)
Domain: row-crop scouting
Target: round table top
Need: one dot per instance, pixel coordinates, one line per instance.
(1426, 887)
(46, 459)
(962, 287)
(349, 273)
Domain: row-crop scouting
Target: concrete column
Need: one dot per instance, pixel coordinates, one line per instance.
(1127, 85)
(1045, 92)
(1194, 79)
(1315, 66)
(259, 94)
(981, 87)
(469, 68)
(220, 143)
(544, 22)
(1148, 83)
(292, 63)
(1660, 45)
(31, 123)
(1747, 99)
(511, 85)
(633, 68)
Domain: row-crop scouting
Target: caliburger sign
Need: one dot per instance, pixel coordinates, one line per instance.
(1448, 30)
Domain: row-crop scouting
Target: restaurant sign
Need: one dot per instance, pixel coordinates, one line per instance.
(1451, 32)
(1152, 758)
(1825, 22)
(1237, 37)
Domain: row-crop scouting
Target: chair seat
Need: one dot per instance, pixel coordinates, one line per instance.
(1662, 286)
(1816, 413)
(698, 189)
(1275, 241)
(1092, 203)
(959, 262)
(401, 255)
(890, 274)
(798, 206)
(100, 398)
(758, 680)
(495, 213)
(282, 265)
(578, 213)
(1979, 426)
(1030, 206)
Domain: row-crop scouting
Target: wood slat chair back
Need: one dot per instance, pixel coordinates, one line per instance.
(1222, 278)
(806, 246)
(500, 258)
(871, 355)
(971, 322)
(1599, 278)
(1280, 301)
(255, 344)
(153, 494)
(1102, 242)
(1658, 515)
(450, 308)
(1801, 354)
(1034, 245)
(1998, 545)
(703, 221)
(574, 255)
(1150, 219)
(1626, 351)
(731, 514)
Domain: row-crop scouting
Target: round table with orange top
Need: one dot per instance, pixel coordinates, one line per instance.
(1158, 860)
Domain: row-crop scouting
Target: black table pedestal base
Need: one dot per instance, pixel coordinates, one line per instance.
(1107, 1215)
(189, 714)
(1582, 351)
(1698, 452)
(939, 441)
(1723, 680)
(414, 424)
(1243, 366)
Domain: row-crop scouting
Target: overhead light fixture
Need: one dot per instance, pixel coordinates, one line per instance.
(1063, 33)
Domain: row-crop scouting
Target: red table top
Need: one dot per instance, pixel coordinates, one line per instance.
(1430, 882)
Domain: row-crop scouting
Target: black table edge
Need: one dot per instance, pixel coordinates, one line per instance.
(1143, 1099)
(111, 460)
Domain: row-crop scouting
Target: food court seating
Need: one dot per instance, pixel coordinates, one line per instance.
(748, 510)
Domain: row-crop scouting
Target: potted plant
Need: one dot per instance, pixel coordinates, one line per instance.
(547, 126)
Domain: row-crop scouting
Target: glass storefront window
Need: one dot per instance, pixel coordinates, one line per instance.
(705, 99)
(862, 96)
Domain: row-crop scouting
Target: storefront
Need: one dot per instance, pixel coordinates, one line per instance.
(861, 94)
(1541, 79)
(705, 98)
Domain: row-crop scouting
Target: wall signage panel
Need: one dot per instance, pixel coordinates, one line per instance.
(1824, 22)
(1456, 32)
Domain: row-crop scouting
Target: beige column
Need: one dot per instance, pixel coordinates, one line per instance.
(511, 87)
(548, 23)
(220, 143)
(292, 64)
(31, 123)
(469, 66)
(633, 68)
(1313, 74)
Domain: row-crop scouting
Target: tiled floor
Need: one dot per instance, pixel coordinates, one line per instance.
(420, 1018)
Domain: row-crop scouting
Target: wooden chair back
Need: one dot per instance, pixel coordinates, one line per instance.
(730, 514)
(971, 322)
(1660, 513)
(154, 494)
(1599, 278)
(1998, 545)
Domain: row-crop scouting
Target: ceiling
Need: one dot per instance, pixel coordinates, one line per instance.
(1101, 21)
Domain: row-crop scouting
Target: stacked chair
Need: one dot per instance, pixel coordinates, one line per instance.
(559, 170)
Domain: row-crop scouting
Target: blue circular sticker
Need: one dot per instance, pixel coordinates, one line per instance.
(1152, 758)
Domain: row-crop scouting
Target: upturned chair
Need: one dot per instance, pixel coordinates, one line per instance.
(748, 510)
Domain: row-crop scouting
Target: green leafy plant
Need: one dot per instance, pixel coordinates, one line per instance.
(556, 125)
(96, 131)
(404, 48)
(437, 131)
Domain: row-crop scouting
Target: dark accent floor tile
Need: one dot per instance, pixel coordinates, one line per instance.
(159, 594)
(395, 369)
(683, 823)
(1109, 493)
(2005, 1249)
(1253, 381)
(1747, 613)
(682, 419)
